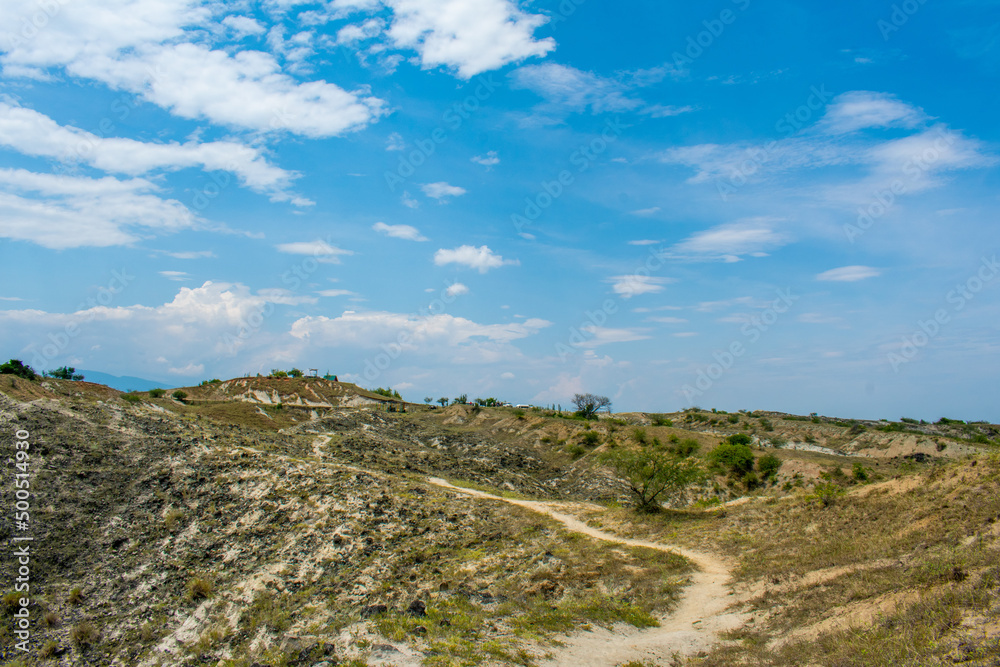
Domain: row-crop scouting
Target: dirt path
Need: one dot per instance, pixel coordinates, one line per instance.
(693, 627)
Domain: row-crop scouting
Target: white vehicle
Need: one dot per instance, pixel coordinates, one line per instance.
(522, 405)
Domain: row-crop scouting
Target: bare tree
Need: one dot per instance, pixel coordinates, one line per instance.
(588, 404)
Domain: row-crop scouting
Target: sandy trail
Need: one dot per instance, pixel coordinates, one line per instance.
(693, 627)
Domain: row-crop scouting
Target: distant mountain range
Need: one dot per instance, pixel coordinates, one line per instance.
(123, 383)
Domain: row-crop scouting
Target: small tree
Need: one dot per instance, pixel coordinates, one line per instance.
(587, 405)
(768, 466)
(180, 395)
(157, 393)
(16, 367)
(460, 400)
(443, 401)
(64, 373)
(428, 399)
(734, 457)
(650, 475)
(295, 373)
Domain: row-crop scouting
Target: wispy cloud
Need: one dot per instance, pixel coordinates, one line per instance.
(849, 274)
(399, 231)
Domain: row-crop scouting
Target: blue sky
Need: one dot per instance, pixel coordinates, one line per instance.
(739, 204)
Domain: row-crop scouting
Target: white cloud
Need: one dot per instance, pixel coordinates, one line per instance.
(441, 190)
(198, 326)
(445, 336)
(399, 231)
(321, 250)
(191, 254)
(666, 320)
(335, 292)
(69, 212)
(148, 47)
(507, 376)
(566, 88)
(357, 32)
(634, 285)
(490, 159)
(849, 274)
(188, 371)
(645, 211)
(457, 289)
(394, 142)
(470, 36)
(408, 201)
(597, 336)
(643, 242)
(862, 109)
(35, 134)
(175, 275)
(244, 26)
(482, 258)
(731, 240)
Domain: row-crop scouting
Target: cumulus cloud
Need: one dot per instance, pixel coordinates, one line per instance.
(457, 289)
(60, 212)
(33, 133)
(849, 274)
(490, 159)
(468, 36)
(442, 190)
(399, 231)
(152, 48)
(482, 258)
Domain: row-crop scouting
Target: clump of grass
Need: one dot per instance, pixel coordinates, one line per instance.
(50, 620)
(49, 650)
(75, 596)
(198, 589)
(11, 601)
(84, 635)
(171, 518)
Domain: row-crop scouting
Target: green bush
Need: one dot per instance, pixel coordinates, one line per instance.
(739, 439)
(686, 447)
(734, 419)
(16, 367)
(131, 398)
(735, 458)
(590, 438)
(768, 466)
(639, 435)
(180, 395)
(157, 393)
(660, 420)
(651, 475)
(859, 473)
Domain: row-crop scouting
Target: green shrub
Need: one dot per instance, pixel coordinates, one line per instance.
(751, 481)
(768, 466)
(157, 393)
(180, 395)
(735, 458)
(64, 373)
(734, 419)
(131, 398)
(590, 438)
(660, 420)
(16, 367)
(859, 473)
(765, 424)
(639, 435)
(739, 439)
(686, 447)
